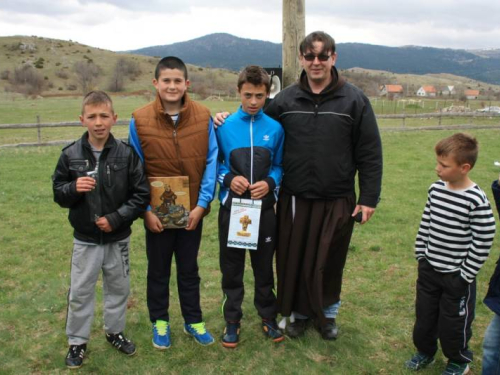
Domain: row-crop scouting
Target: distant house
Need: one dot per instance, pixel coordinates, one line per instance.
(427, 91)
(394, 91)
(471, 94)
(448, 91)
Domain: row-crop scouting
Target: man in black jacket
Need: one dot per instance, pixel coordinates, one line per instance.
(331, 135)
(102, 182)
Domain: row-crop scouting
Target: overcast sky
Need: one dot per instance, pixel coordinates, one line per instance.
(130, 24)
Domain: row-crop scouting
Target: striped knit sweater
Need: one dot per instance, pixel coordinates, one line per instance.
(456, 231)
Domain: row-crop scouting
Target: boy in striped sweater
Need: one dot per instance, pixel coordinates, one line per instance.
(453, 242)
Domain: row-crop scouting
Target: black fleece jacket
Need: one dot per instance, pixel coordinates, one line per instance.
(329, 137)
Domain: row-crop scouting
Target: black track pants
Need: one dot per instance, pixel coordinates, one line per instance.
(232, 265)
(160, 248)
(445, 311)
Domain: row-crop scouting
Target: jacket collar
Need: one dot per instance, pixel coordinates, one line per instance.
(333, 89)
(109, 143)
(183, 113)
(246, 117)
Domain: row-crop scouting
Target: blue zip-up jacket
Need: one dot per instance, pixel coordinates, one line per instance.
(252, 147)
(207, 186)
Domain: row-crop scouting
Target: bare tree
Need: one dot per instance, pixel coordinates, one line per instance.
(26, 80)
(5, 75)
(87, 74)
(117, 80)
(124, 68)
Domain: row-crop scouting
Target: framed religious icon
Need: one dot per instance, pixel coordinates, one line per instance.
(170, 200)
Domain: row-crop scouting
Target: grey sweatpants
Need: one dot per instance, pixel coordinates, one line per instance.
(87, 262)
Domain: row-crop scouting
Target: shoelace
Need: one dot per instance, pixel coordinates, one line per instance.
(271, 326)
(419, 358)
(161, 327)
(119, 340)
(455, 368)
(199, 328)
(77, 352)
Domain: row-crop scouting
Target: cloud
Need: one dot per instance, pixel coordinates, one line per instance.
(131, 24)
(421, 33)
(461, 15)
(40, 7)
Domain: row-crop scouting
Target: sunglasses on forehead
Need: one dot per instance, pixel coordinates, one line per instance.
(311, 57)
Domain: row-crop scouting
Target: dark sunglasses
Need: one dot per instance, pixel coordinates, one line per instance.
(311, 57)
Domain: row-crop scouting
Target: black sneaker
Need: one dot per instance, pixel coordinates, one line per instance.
(74, 358)
(271, 330)
(455, 368)
(329, 331)
(120, 342)
(297, 328)
(419, 361)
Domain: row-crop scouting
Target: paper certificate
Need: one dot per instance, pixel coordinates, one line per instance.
(244, 224)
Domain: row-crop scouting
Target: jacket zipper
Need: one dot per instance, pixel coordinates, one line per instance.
(103, 160)
(108, 172)
(99, 181)
(251, 150)
(178, 150)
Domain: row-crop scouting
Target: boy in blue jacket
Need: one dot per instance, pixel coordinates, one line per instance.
(250, 158)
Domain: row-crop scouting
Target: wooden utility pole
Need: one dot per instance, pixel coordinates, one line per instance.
(294, 31)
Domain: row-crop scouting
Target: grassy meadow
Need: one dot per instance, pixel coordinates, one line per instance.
(377, 313)
(375, 320)
(15, 109)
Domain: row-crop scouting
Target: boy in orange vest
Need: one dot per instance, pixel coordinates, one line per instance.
(174, 136)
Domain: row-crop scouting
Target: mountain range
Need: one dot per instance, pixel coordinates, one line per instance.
(227, 51)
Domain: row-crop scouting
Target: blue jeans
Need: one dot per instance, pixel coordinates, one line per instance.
(491, 348)
(329, 311)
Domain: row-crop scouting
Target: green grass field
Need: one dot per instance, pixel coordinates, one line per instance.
(16, 109)
(375, 320)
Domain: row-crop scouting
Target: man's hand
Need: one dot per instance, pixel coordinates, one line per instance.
(219, 118)
(152, 222)
(365, 210)
(194, 217)
(103, 224)
(239, 185)
(259, 190)
(85, 184)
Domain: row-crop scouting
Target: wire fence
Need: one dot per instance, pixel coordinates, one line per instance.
(387, 122)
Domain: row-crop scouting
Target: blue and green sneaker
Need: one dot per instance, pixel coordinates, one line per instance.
(161, 335)
(199, 332)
